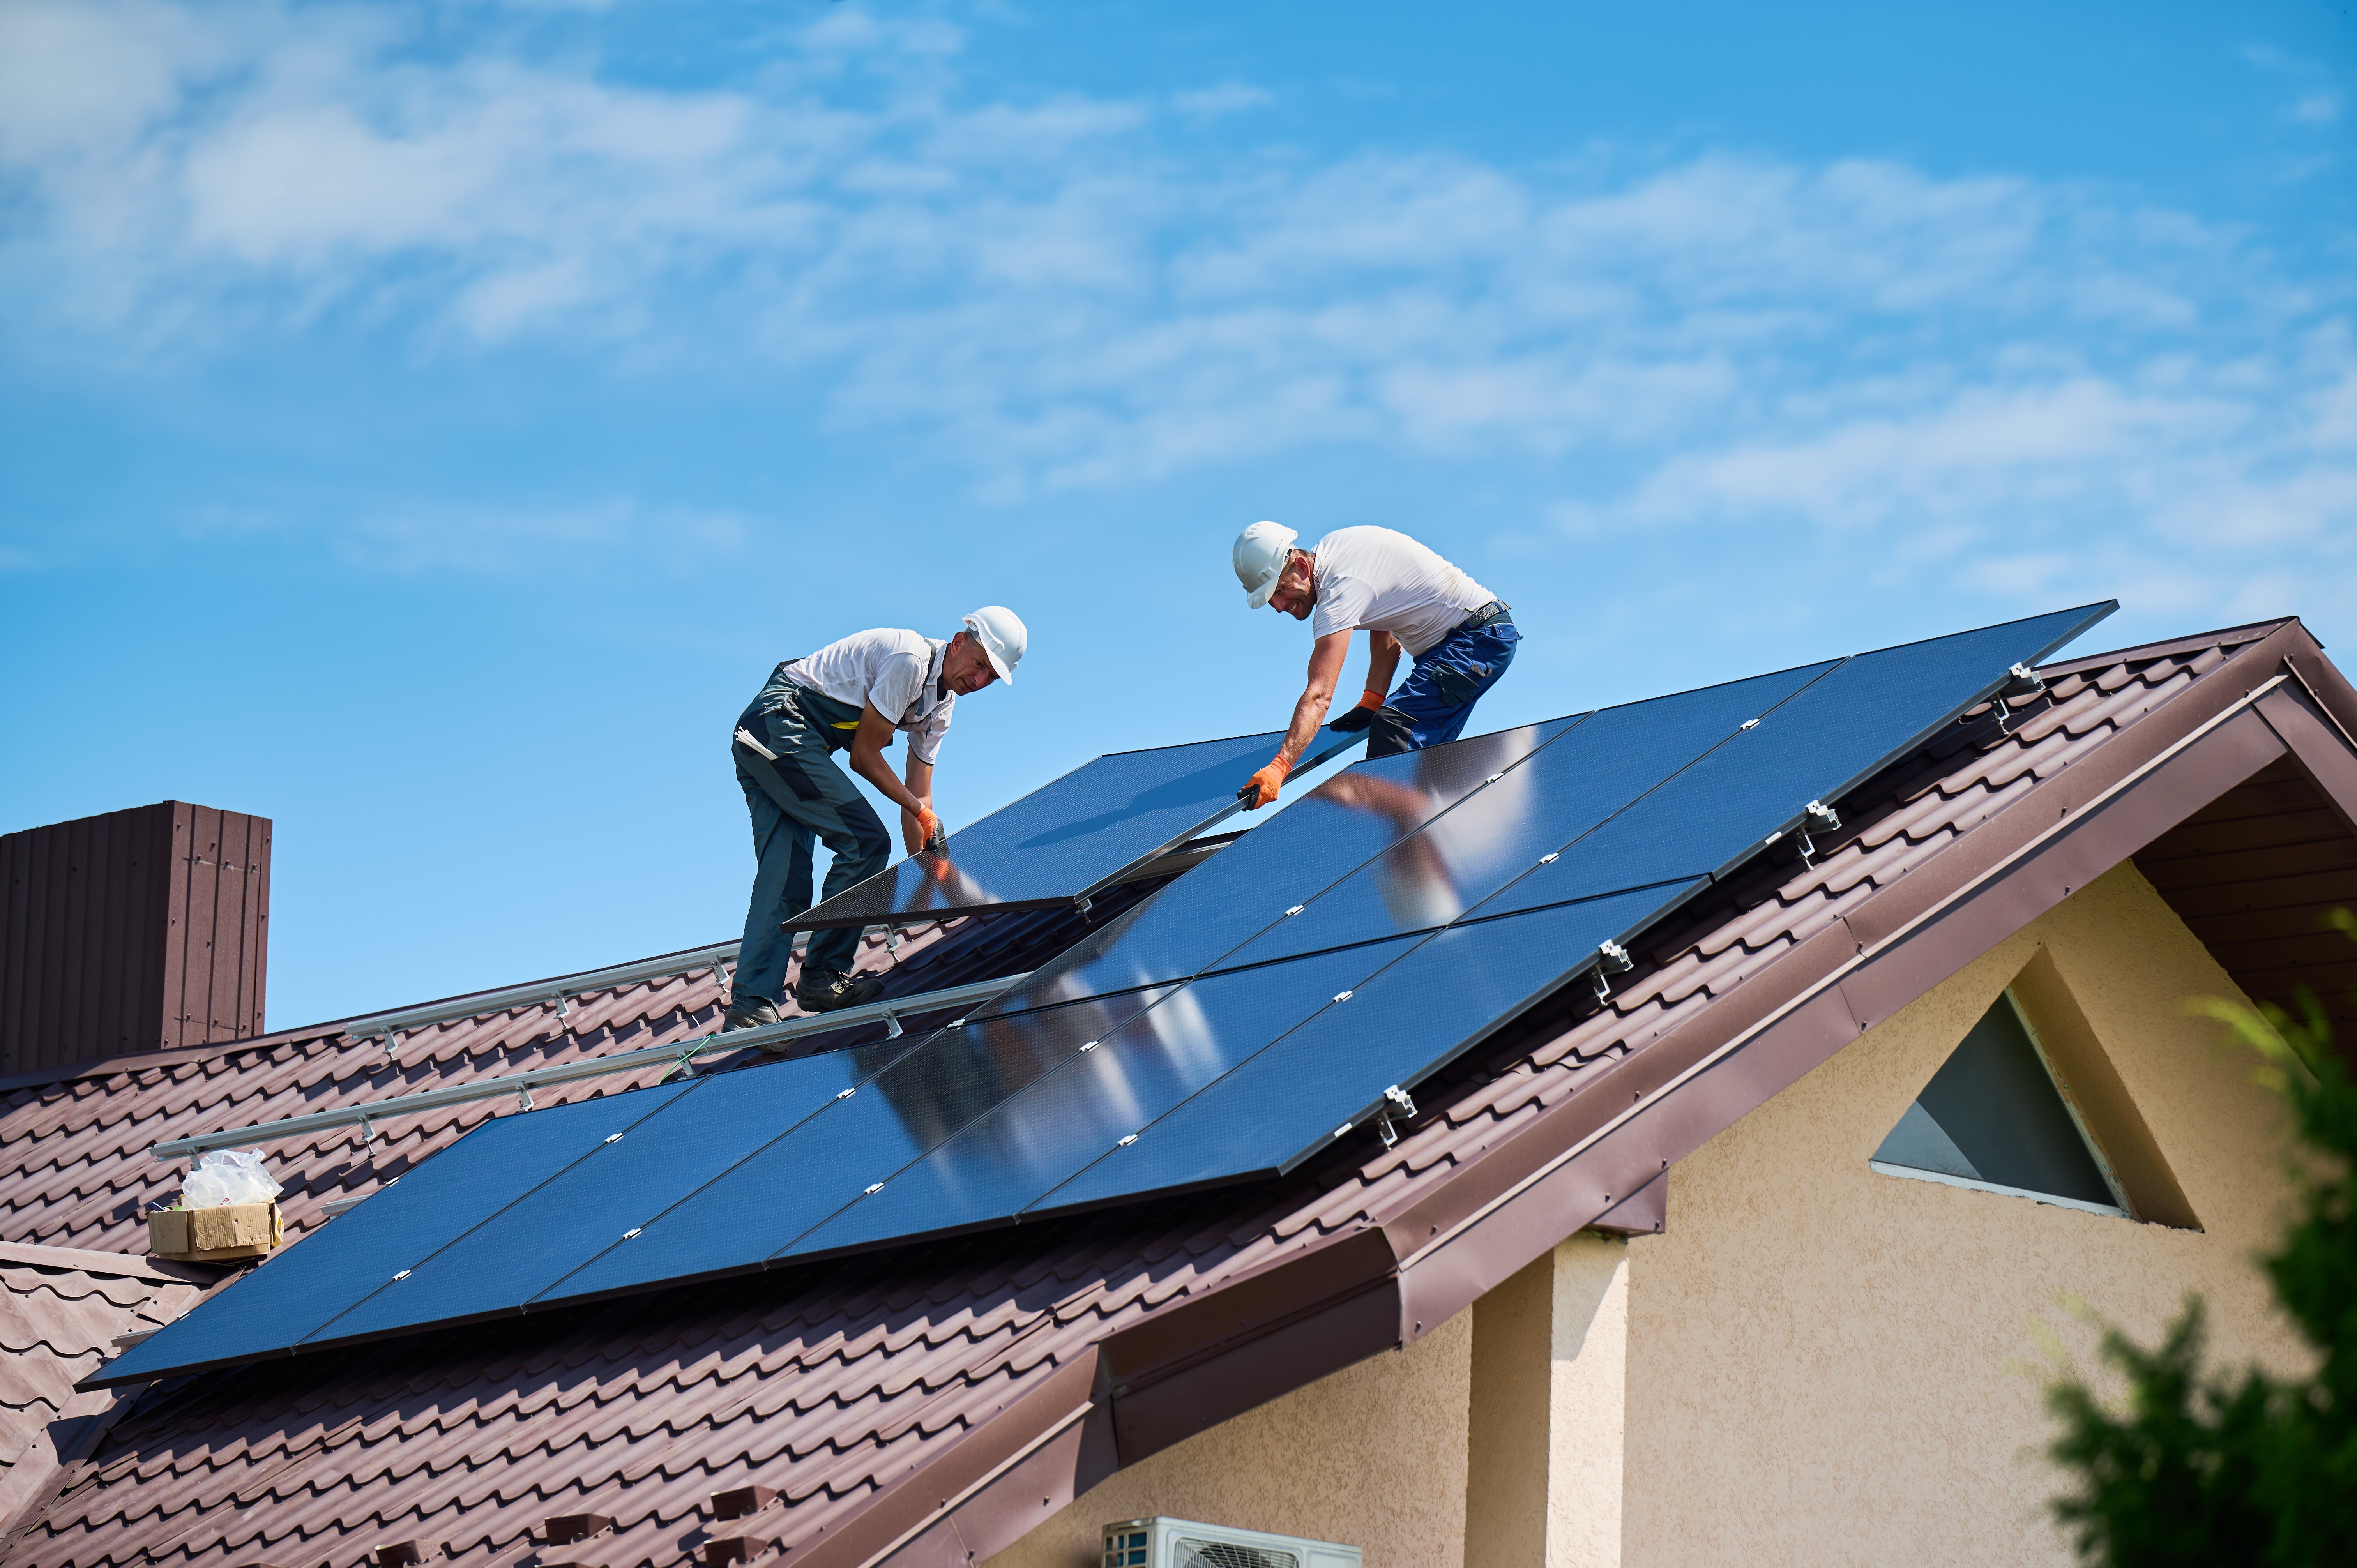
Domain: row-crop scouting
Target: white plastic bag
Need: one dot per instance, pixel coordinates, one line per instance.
(228, 1176)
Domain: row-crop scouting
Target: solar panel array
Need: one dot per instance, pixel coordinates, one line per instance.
(1231, 1026)
(1070, 839)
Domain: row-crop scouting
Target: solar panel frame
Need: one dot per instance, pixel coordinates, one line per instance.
(882, 900)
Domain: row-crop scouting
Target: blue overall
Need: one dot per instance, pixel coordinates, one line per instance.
(801, 797)
(1430, 706)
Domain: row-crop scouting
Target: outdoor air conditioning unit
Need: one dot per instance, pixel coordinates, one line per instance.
(1182, 1544)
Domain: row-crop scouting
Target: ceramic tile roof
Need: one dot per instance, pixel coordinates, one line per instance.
(60, 1310)
(867, 1391)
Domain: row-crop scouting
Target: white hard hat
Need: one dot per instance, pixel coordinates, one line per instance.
(1261, 553)
(1000, 632)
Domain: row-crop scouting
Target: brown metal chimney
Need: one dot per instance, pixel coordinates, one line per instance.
(135, 931)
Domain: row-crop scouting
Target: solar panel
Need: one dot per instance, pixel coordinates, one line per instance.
(273, 1306)
(1323, 1079)
(1496, 833)
(507, 1257)
(1068, 840)
(1322, 837)
(788, 1184)
(1232, 1025)
(1829, 738)
(1031, 1140)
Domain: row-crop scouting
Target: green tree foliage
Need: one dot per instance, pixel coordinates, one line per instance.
(2203, 1467)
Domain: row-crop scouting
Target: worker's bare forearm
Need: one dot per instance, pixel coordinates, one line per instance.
(1317, 695)
(873, 768)
(867, 745)
(919, 776)
(1308, 715)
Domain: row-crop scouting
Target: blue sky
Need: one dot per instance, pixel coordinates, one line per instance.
(425, 424)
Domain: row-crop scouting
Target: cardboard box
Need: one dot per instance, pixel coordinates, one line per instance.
(214, 1235)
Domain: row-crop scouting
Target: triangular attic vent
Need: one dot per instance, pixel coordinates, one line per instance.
(1993, 1119)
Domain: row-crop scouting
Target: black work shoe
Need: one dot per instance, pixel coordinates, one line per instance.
(750, 1013)
(824, 991)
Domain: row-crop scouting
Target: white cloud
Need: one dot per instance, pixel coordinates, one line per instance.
(2316, 109)
(438, 537)
(1059, 293)
(1212, 102)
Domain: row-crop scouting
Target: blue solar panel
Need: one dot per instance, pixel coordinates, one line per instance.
(1496, 833)
(512, 1256)
(1322, 1080)
(1070, 839)
(1031, 1142)
(1813, 748)
(790, 1183)
(1510, 856)
(273, 1306)
(1318, 839)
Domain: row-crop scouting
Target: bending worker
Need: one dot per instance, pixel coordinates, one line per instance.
(848, 696)
(1406, 596)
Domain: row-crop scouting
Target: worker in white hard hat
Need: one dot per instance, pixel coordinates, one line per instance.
(854, 695)
(1404, 595)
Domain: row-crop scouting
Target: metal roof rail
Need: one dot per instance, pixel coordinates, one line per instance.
(560, 988)
(888, 1012)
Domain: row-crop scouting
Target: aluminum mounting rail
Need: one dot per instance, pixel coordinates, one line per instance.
(888, 1013)
(560, 988)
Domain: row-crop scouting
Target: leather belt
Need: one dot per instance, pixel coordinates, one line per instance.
(1490, 614)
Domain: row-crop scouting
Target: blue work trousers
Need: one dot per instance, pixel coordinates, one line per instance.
(800, 799)
(1430, 706)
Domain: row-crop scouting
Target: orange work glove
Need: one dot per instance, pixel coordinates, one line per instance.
(1363, 715)
(929, 830)
(1262, 787)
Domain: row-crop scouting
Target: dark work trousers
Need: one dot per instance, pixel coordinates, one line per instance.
(801, 798)
(1430, 707)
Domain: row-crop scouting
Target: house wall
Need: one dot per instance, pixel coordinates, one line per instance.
(1374, 1455)
(1829, 1366)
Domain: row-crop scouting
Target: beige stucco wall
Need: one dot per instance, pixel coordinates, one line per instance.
(1829, 1366)
(1374, 1455)
(1549, 1380)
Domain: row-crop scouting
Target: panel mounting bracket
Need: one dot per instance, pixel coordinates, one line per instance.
(1396, 1103)
(1612, 957)
(1825, 819)
(2021, 681)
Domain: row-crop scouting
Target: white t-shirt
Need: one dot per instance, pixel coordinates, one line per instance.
(1384, 581)
(897, 674)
